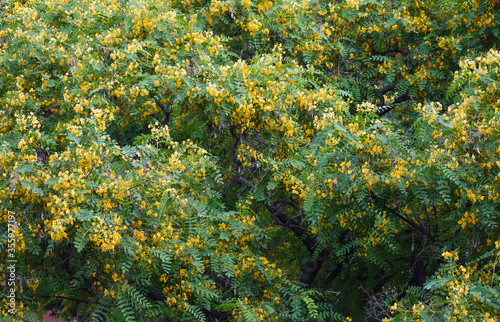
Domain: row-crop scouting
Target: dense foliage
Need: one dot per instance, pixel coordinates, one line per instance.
(249, 160)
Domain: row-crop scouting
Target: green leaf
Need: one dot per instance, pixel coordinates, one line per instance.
(74, 138)
(24, 168)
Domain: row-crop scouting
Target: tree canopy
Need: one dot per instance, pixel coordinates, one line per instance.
(242, 160)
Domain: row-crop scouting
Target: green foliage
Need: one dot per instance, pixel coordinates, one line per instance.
(250, 160)
(457, 291)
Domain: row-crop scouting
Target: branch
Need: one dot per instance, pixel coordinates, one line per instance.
(165, 110)
(281, 218)
(163, 107)
(66, 255)
(237, 179)
(288, 202)
(260, 143)
(313, 266)
(340, 265)
(235, 145)
(374, 303)
(315, 262)
(384, 91)
(336, 272)
(390, 52)
(157, 118)
(410, 222)
(386, 109)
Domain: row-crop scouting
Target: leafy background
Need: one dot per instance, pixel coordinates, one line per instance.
(251, 160)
